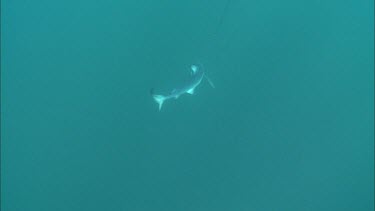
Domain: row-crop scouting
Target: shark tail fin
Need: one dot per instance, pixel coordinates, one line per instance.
(159, 99)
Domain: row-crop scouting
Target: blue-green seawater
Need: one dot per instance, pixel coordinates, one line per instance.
(289, 126)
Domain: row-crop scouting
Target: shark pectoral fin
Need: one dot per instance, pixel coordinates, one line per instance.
(190, 91)
(210, 82)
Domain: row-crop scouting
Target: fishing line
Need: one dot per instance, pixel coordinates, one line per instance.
(222, 16)
(211, 50)
(214, 39)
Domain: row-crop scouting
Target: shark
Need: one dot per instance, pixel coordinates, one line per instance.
(196, 77)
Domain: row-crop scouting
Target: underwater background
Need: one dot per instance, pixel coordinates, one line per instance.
(289, 126)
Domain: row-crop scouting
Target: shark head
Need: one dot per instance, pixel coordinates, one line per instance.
(194, 69)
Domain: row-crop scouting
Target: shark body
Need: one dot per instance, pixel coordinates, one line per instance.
(197, 75)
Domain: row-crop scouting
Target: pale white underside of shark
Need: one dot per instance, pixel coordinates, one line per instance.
(189, 88)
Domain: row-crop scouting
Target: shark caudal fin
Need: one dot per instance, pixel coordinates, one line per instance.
(159, 99)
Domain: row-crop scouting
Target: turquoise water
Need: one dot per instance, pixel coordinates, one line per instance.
(289, 125)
